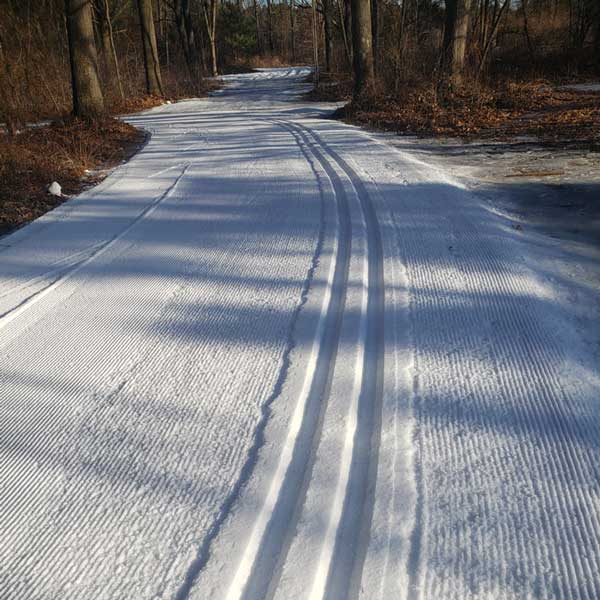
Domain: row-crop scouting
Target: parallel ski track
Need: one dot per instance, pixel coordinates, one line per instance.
(344, 544)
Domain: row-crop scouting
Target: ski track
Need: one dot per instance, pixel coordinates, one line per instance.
(253, 364)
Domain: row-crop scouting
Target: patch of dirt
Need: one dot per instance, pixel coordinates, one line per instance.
(74, 153)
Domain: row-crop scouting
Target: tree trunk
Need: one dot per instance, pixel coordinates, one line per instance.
(374, 30)
(211, 29)
(257, 21)
(344, 28)
(270, 28)
(597, 40)
(113, 50)
(292, 31)
(88, 101)
(526, 30)
(328, 39)
(151, 64)
(315, 42)
(183, 20)
(496, 18)
(362, 40)
(454, 44)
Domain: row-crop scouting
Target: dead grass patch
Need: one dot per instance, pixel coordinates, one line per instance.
(63, 152)
(535, 108)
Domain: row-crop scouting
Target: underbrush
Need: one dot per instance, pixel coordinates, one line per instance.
(531, 108)
(64, 151)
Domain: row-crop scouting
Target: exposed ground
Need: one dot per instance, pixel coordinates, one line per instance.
(553, 113)
(75, 154)
(275, 356)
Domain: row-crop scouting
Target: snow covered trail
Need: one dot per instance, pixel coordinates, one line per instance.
(274, 357)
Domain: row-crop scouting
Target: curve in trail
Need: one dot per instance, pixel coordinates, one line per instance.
(18, 310)
(263, 552)
(345, 544)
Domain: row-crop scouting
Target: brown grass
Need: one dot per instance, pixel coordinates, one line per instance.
(61, 152)
(535, 108)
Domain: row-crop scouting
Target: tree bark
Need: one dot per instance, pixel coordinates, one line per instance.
(88, 101)
(183, 20)
(328, 38)
(257, 21)
(210, 19)
(455, 43)
(292, 31)
(270, 28)
(526, 30)
(344, 28)
(362, 43)
(113, 50)
(496, 18)
(151, 64)
(374, 29)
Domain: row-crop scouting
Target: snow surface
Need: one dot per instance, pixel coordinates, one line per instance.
(273, 356)
(582, 87)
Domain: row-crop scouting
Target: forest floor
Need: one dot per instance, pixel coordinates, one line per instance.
(552, 112)
(74, 153)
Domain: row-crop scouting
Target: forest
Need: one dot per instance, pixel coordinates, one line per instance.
(125, 49)
(456, 67)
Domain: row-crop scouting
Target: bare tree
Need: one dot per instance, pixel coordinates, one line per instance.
(454, 44)
(113, 50)
(270, 28)
(88, 101)
(185, 29)
(257, 22)
(342, 9)
(151, 64)
(292, 31)
(327, 17)
(362, 43)
(209, 8)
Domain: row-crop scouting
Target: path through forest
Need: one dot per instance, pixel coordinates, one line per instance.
(275, 357)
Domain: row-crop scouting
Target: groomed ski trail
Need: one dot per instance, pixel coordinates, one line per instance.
(274, 357)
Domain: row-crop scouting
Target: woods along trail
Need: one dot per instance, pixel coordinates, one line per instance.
(273, 357)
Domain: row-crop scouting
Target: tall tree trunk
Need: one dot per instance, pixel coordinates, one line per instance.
(104, 34)
(362, 43)
(315, 42)
(526, 30)
(328, 37)
(454, 44)
(210, 19)
(597, 39)
(88, 101)
(374, 29)
(270, 28)
(151, 64)
(257, 22)
(344, 28)
(113, 50)
(292, 31)
(496, 18)
(183, 20)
